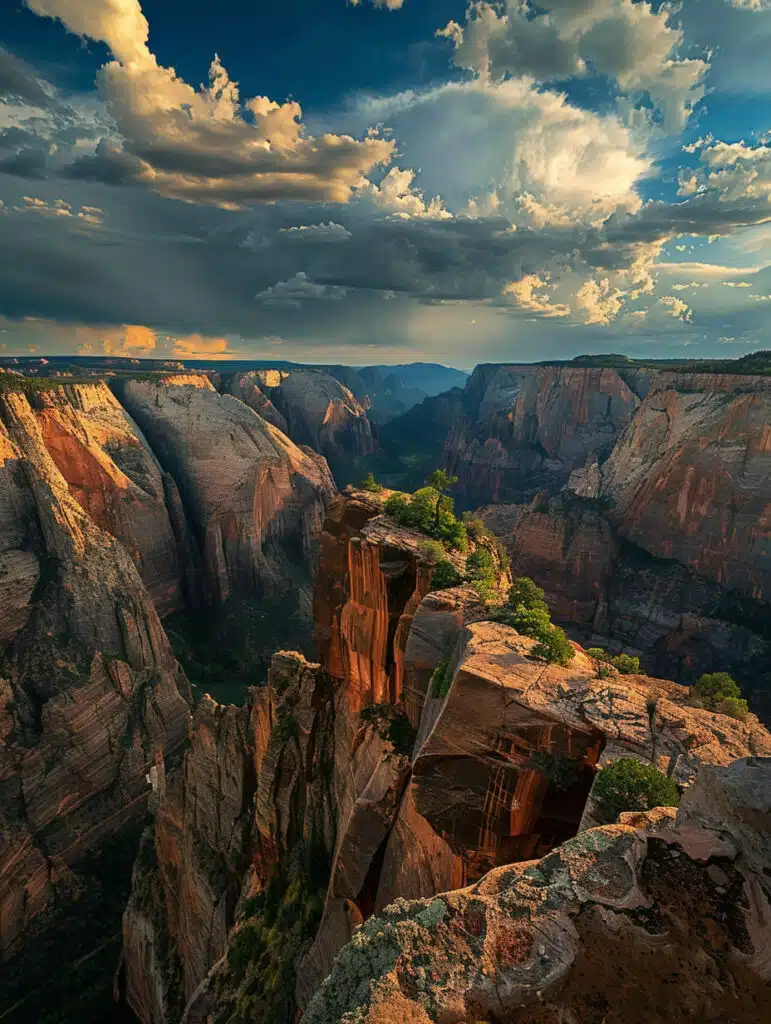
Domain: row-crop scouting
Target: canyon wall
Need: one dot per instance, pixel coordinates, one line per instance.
(313, 408)
(525, 428)
(254, 500)
(664, 547)
(91, 693)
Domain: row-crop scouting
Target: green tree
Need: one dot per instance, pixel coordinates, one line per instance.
(629, 785)
(441, 482)
(554, 647)
(371, 484)
(482, 571)
(444, 575)
(718, 691)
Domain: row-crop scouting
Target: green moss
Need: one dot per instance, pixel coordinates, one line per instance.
(441, 679)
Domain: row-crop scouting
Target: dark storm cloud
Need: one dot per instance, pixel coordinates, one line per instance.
(20, 84)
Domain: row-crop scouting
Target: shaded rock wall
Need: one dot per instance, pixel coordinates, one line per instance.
(312, 407)
(525, 428)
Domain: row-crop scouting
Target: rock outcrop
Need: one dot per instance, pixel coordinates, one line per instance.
(408, 756)
(312, 407)
(657, 918)
(254, 500)
(91, 694)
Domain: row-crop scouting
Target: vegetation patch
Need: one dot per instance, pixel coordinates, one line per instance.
(439, 685)
(626, 664)
(560, 770)
(526, 611)
(630, 785)
(719, 692)
(278, 926)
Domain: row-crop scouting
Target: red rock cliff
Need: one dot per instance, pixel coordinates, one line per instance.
(112, 473)
(91, 692)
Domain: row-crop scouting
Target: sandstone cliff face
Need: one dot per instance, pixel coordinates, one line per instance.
(664, 548)
(254, 500)
(657, 918)
(250, 789)
(113, 475)
(688, 479)
(312, 407)
(91, 691)
(525, 428)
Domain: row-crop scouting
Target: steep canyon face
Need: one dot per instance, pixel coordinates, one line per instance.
(104, 527)
(403, 759)
(648, 522)
(91, 692)
(313, 408)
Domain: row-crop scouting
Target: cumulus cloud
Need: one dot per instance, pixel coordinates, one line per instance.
(329, 232)
(600, 301)
(204, 145)
(59, 208)
(632, 43)
(194, 346)
(509, 149)
(531, 293)
(397, 194)
(732, 169)
(677, 308)
(298, 289)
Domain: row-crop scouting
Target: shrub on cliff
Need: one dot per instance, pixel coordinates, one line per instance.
(526, 611)
(482, 572)
(629, 785)
(371, 484)
(626, 664)
(419, 512)
(391, 724)
(718, 691)
(444, 575)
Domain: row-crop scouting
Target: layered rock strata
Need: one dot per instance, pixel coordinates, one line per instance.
(254, 500)
(312, 407)
(91, 693)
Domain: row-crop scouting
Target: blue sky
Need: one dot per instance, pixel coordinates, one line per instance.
(344, 184)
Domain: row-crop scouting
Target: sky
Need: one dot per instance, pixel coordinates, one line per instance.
(385, 181)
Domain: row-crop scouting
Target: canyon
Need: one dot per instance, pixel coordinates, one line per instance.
(356, 833)
(405, 783)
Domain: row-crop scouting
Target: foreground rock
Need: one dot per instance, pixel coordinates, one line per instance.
(90, 693)
(657, 918)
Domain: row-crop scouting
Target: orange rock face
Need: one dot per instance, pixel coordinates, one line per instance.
(91, 688)
(115, 478)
